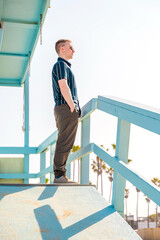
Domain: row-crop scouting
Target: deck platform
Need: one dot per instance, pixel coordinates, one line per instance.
(59, 212)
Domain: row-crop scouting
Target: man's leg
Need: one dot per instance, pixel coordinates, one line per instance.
(67, 124)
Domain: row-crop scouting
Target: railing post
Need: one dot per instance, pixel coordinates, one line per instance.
(68, 168)
(85, 140)
(52, 151)
(26, 125)
(42, 166)
(122, 146)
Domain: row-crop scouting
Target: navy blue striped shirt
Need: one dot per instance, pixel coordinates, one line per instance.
(62, 70)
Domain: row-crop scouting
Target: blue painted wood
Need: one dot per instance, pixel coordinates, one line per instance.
(52, 151)
(80, 153)
(18, 55)
(21, 24)
(85, 140)
(136, 179)
(18, 150)
(50, 140)
(122, 146)
(42, 166)
(17, 175)
(26, 111)
(26, 125)
(132, 106)
(10, 82)
(88, 108)
(68, 168)
(147, 119)
(53, 212)
(44, 171)
(45, 7)
(1, 36)
(72, 157)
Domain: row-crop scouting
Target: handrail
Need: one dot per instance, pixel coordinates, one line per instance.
(126, 112)
(147, 118)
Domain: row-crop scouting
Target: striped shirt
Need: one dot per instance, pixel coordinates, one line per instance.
(62, 70)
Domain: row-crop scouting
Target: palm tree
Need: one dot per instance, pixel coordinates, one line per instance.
(148, 202)
(98, 166)
(126, 197)
(156, 181)
(74, 149)
(110, 171)
(138, 191)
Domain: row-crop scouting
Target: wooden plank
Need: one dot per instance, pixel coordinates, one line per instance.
(37, 33)
(8, 82)
(85, 161)
(143, 185)
(132, 106)
(144, 121)
(26, 125)
(42, 166)
(47, 142)
(72, 212)
(119, 182)
(17, 175)
(18, 150)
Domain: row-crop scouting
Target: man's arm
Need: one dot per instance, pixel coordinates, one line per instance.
(66, 93)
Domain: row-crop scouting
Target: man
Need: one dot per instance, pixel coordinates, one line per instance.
(66, 110)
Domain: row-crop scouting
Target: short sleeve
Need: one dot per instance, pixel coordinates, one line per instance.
(60, 70)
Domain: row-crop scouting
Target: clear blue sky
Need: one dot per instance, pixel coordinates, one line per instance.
(117, 47)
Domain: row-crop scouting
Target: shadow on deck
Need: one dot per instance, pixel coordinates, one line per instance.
(76, 212)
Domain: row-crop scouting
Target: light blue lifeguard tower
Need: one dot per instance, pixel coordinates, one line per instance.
(52, 211)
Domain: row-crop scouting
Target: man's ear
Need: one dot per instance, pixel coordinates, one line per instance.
(61, 48)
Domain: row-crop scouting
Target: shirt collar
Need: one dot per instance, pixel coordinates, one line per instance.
(62, 59)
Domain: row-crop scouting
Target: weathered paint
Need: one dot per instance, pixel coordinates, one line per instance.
(10, 166)
(60, 213)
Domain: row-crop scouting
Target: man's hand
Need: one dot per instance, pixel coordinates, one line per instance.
(72, 109)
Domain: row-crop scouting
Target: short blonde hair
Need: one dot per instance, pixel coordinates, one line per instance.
(61, 43)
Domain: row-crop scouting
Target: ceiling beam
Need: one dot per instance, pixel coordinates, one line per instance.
(46, 5)
(15, 55)
(10, 82)
(18, 23)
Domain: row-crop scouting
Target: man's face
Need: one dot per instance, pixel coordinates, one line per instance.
(68, 50)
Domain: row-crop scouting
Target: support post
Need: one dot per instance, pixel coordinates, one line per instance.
(42, 166)
(85, 140)
(122, 146)
(68, 168)
(52, 151)
(26, 125)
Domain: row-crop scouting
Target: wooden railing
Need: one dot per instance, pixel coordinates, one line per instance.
(126, 113)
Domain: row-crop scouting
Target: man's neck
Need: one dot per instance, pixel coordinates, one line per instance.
(63, 57)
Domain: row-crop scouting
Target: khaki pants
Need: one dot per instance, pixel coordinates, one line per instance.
(67, 124)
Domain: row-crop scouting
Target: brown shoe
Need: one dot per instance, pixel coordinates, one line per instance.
(63, 179)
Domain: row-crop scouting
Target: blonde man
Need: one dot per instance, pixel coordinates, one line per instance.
(66, 110)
